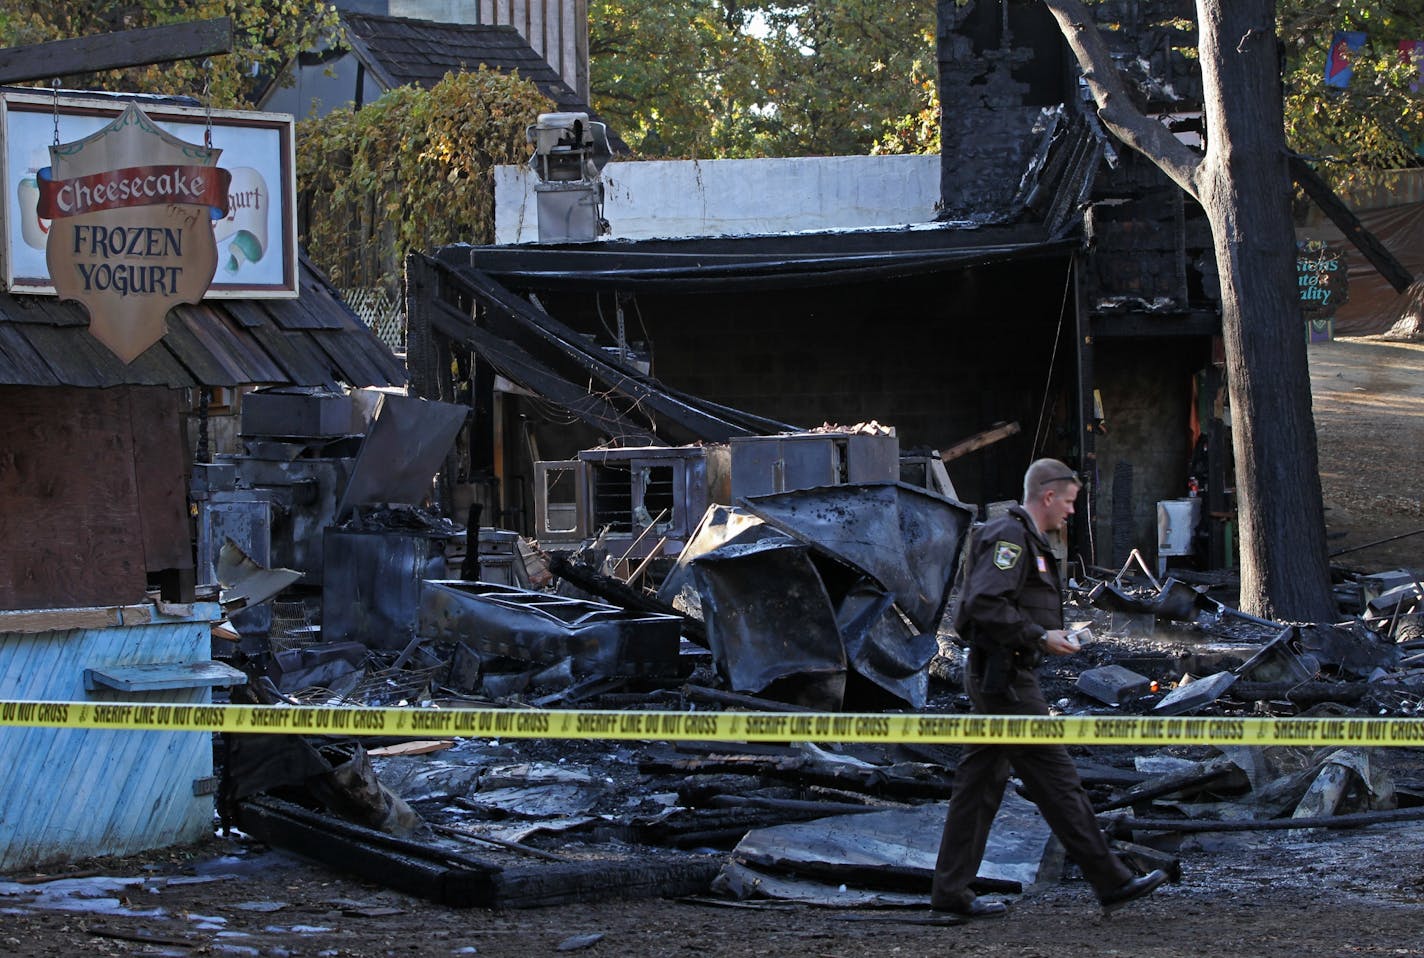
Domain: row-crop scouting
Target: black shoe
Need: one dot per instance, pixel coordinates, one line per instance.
(1132, 890)
(976, 908)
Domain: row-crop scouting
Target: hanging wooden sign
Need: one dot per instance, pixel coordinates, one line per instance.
(131, 210)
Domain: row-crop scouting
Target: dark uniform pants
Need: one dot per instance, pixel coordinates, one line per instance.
(1052, 782)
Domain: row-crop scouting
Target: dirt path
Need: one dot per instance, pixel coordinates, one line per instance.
(1270, 895)
(1369, 419)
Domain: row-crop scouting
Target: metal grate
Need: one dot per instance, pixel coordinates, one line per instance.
(393, 687)
(292, 627)
(381, 310)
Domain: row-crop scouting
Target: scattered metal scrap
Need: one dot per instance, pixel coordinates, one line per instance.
(826, 597)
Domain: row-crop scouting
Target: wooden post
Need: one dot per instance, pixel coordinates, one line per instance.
(1084, 539)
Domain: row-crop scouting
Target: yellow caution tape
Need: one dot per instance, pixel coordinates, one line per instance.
(715, 726)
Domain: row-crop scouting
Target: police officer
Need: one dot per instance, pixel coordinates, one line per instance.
(1011, 614)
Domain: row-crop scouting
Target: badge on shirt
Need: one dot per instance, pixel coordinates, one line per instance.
(1042, 564)
(1006, 554)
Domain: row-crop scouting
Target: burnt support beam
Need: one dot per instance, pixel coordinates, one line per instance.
(980, 440)
(1366, 242)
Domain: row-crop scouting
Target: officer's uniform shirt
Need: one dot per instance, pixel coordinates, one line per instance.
(1011, 594)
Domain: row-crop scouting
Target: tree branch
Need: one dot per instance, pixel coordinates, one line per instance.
(1115, 107)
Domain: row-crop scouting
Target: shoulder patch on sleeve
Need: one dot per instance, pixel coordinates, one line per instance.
(1006, 554)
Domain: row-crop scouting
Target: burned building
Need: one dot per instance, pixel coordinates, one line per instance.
(1066, 288)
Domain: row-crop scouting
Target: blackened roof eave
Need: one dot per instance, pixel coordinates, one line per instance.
(404, 50)
(312, 341)
(753, 262)
(912, 236)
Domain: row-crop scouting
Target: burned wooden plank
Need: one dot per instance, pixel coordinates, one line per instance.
(802, 771)
(1167, 786)
(1300, 693)
(522, 849)
(407, 866)
(795, 807)
(449, 878)
(1124, 827)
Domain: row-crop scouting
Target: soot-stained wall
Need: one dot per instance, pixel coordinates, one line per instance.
(939, 357)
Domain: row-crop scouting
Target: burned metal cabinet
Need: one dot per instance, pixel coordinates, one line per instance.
(541, 628)
(372, 589)
(299, 451)
(762, 465)
(661, 490)
(374, 562)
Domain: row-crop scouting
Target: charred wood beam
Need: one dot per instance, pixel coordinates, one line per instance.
(496, 842)
(698, 693)
(396, 863)
(803, 772)
(1167, 786)
(449, 878)
(869, 801)
(976, 442)
(523, 369)
(794, 806)
(622, 594)
(680, 420)
(1301, 693)
(1094, 775)
(1366, 242)
(1124, 827)
(116, 51)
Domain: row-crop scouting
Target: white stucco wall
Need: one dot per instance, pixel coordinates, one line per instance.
(665, 198)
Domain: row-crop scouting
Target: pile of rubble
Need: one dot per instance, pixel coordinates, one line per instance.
(793, 604)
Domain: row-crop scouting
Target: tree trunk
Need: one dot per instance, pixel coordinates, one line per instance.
(1245, 189)
(1244, 186)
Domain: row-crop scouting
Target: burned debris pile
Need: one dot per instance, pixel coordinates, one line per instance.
(820, 599)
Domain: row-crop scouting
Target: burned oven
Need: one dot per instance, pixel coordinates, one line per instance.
(647, 500)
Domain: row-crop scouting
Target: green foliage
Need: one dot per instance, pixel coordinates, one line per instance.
(413, 170)
(916, 132)
(1377, 122)
(266, 35)
(674, 78)
(842, 71)
(725, 78)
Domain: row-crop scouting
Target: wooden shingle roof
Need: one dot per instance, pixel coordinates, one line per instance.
(400, 51)
(314, 340)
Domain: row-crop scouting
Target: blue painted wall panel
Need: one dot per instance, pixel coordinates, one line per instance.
(67, 794)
